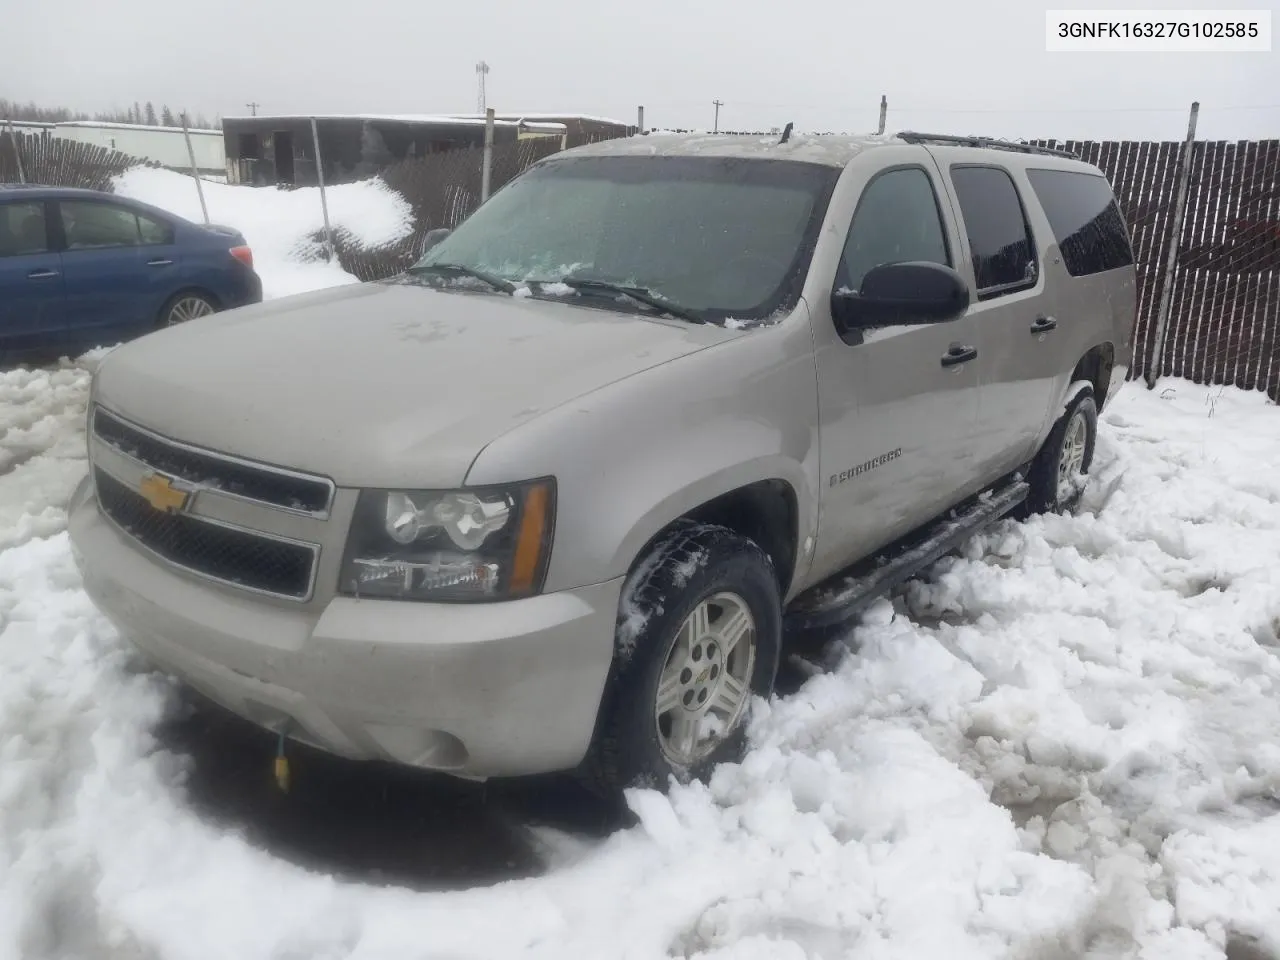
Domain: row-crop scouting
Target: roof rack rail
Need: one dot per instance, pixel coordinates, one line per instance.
(912, 136)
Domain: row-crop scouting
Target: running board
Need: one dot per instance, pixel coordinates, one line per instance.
(843, 596)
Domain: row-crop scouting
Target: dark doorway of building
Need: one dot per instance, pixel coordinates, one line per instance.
(284, 156)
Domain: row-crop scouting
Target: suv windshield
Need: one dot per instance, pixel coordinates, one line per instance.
(715, 237)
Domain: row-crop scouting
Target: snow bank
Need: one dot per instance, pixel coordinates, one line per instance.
(1063, 743)
(279, 223)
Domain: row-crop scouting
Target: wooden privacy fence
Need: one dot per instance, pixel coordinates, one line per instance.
(1224, 290)
(56, 162)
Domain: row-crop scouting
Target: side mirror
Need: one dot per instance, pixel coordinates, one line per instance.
(432, 237)
(902, 293)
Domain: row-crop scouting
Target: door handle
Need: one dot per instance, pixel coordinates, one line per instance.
(958, 353)
(159, 263)
(1044, 325)
(45, 274)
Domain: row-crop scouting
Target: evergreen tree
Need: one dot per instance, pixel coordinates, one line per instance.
(151, 114)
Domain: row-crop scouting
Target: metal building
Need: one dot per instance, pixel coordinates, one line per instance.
(263, 150)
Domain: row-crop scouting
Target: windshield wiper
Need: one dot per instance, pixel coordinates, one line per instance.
(493, 280)
(640, 294)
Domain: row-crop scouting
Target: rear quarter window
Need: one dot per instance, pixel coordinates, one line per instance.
(1085, 219)
(1000, 238)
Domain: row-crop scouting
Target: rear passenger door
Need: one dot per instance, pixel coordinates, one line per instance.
(898, 404)
(120, 266)
(1017, 339)
(31, 292)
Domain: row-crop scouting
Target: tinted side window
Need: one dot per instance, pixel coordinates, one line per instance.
(22, 229)
(1085, 219)
(154, 231)
(1000, 242)
(90, 225)
(897, 219)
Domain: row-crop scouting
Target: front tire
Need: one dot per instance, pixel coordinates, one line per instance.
(1061, 468)
(698, 634)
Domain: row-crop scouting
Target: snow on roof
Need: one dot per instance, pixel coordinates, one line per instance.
(829, 150)
(109, 125)
(543, 115)
(418, 118)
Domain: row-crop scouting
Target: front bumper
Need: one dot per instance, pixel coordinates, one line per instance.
(476, 690)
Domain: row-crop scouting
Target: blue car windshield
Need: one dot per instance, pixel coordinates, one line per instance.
(721, 237)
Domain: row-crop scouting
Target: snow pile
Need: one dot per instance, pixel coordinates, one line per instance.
(42, 446)
(278, 224)
(1063, 743)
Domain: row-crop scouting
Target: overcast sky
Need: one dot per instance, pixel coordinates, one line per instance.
(965, 66)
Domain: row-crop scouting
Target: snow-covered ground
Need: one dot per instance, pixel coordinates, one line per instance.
(278, 224)
(1064, 743)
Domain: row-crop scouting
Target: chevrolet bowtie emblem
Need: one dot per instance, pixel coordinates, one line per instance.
(162, 494)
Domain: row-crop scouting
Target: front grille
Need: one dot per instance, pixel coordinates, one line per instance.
(233, 556)
(276, 487)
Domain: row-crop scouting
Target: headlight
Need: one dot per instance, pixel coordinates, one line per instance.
(450, 546)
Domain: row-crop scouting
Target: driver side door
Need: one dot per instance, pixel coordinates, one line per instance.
(898, 405)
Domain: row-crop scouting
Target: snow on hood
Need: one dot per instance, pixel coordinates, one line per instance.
(379, 384)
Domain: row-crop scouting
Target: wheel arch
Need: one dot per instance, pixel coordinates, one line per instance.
(1095, 367)
(765, 511)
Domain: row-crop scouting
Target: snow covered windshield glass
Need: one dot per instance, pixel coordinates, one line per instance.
(719, 237)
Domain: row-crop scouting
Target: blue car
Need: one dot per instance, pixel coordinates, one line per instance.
(81, 269)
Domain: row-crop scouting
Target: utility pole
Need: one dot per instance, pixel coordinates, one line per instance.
(482, 71)
(717, 104)
(884, 111)
(253, 107)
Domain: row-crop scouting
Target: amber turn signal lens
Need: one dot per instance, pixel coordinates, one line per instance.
(531, 541)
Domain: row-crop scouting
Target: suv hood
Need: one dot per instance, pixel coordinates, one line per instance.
(379, 384)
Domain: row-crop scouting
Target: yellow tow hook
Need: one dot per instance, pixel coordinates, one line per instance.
(281, 764)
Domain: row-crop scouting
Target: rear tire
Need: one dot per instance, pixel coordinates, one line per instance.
(187, 305)
(1061, 468)
(698, 635)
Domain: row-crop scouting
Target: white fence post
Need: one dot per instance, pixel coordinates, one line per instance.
(486, 166)
(324, 203)
(1171, 261)
(195, 170)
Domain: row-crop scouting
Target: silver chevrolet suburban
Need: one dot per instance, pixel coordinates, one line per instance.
(552, 499)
